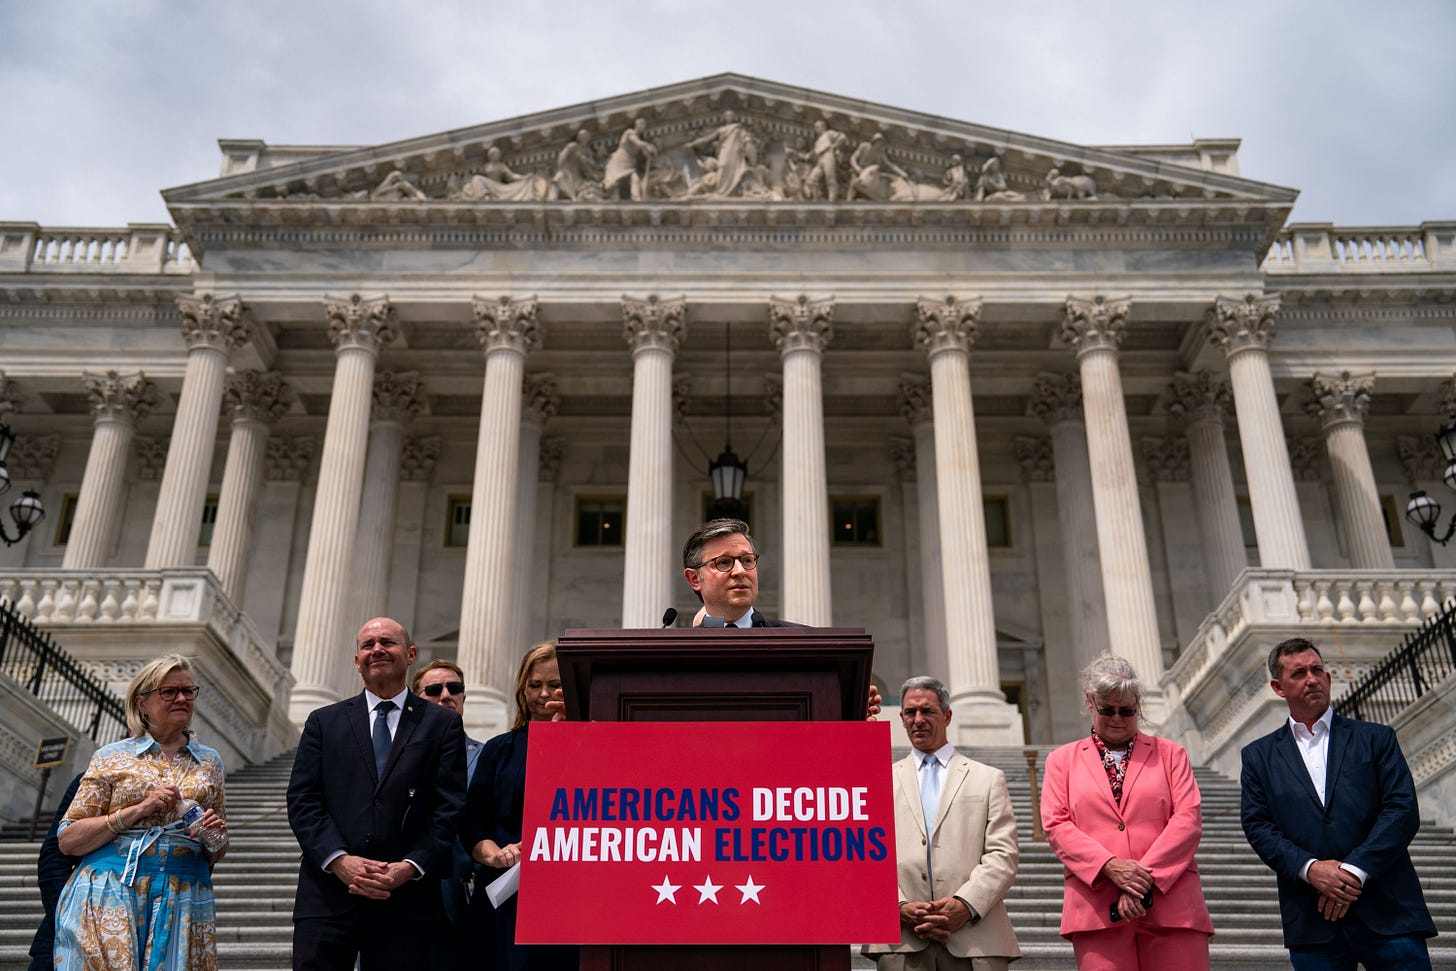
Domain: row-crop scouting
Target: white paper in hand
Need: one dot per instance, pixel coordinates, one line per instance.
(504, 887)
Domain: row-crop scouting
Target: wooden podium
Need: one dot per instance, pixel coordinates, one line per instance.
(698, 674)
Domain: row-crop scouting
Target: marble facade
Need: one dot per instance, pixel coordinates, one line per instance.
(1126, 348)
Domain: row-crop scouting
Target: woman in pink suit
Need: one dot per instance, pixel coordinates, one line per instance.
(1122, 811)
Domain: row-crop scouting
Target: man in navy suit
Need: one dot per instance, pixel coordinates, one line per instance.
(377, 784)
(1329, 805)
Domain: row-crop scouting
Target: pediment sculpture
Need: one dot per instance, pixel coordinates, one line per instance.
(729, 160)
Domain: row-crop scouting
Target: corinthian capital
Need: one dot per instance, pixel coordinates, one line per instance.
(1056, 398)
(916, 404)
(1337, 399)
(1200, 397)
(417, 461)
(256, 396)
(11, 398)
(220, 323)
(539, 397)
(34, 456)
(287, 459)
(1420, 457)
(1095, 323)
(151, 454)
(1236, 324)
(359, 322)
(1166, 458)
(398, 396)
(120, 397)
(654, 323)
(946, 325)
(508, 323)
(902, 454)
(801, 324)
(1035, 457)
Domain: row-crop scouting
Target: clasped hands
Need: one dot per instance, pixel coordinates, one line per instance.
(1133, 882)
(371, 878)
(1338, 888)
(935, 920)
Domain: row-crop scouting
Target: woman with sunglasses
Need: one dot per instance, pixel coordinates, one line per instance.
(1123, 813)
(141, 898)
(492, 823)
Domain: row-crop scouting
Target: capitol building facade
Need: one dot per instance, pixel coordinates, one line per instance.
(1004, 402)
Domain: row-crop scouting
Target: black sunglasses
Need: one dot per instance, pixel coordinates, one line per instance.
(433, 690)
(1109, 711)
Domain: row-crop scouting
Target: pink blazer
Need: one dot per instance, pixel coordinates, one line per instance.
(1158, 824)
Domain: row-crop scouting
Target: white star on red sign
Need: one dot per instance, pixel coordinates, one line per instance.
(666, 891)
(749, 890)
(707, 890)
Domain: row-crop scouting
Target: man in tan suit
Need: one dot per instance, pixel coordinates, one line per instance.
(953, 881)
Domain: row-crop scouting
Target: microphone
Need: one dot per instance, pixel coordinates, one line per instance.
(668, 616)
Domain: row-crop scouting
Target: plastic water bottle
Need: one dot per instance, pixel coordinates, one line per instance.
(213, 840)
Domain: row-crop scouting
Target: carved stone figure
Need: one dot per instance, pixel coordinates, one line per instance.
(991, 184)
(872, 170)
(627, 169)
(799, 172)
(1059, 186)
(498, 183)
(578, 176)
(736, 152)
(828, 149)
(956, 182)
(397, 187)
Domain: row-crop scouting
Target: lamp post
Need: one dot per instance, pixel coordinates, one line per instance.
(28, 510)
(1421, 510)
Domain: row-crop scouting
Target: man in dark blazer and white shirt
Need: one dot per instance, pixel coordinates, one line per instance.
(374, 809)
(1329, 805)
(720, 563)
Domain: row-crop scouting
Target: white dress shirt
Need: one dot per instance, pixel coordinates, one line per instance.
(1314, 748)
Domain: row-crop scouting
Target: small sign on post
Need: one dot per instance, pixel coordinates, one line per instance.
(52, 751)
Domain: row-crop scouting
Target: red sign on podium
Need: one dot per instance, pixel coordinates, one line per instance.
(708, 833)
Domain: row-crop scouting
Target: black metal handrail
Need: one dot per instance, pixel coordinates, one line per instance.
(1425, 659)
(59, 681)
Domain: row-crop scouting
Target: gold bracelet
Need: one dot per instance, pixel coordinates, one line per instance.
(115, 824)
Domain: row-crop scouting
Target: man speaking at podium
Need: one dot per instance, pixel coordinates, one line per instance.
(720, 562)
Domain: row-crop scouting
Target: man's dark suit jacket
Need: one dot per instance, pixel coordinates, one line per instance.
(1368, 820)
(52, 869)
(335, 802)
(759, 620)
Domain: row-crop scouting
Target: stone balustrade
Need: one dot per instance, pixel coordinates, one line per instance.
(135, 248)
(1324, 248)
(1219, 687)
(182, 610)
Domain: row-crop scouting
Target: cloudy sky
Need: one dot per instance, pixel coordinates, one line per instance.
(104, 103)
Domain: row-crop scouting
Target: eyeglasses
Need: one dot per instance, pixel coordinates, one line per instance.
(1107, 711)
(433, 690)
(171, 692)
(724, 564)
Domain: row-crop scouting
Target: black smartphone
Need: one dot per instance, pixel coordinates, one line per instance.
(1117, 916)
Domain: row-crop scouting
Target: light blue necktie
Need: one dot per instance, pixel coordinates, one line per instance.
(382, 738)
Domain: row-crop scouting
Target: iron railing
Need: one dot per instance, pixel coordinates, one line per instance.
(1424, 660)
(59, 681)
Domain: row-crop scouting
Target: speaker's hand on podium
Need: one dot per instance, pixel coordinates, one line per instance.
(557, 706)
(872, 704)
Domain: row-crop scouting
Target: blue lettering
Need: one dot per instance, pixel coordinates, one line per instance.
(558, 805)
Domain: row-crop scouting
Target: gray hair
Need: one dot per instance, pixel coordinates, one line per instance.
(1110, 677)
(712, 529)
(927, 683)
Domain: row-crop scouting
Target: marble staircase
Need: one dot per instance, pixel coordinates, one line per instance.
(255, 885)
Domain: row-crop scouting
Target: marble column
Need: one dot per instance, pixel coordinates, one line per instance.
(918, 409)
(1093, 328)
(1244, 328)
(654, 329)
(509, 329)
(539, 401)
(1057, 400)
(322, 640)
(284, 509)
(946, 329)
(254, 400)
(801, 328)
(1202, 400)
(416, 472)
(118, 402)
(213, 328)
(1340, 402)
(398, 399)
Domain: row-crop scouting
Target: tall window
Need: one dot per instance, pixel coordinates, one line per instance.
(599, 520)
(1390, 514)
(997, 512)
(67, 518)
(457, 521)
(209, 521)
(856, 520)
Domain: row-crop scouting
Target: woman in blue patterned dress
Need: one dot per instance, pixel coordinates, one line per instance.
(141, 899)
